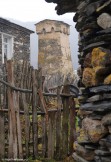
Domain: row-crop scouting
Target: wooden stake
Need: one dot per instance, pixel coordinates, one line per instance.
(34, 115)
(72, 125)
(65, 122)
(12, 118)
(58, 125)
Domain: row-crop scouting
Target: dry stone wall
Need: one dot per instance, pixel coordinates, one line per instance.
(93, 22)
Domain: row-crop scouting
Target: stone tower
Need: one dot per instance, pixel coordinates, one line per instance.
(54, 50)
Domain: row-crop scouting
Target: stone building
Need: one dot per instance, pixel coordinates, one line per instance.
(54, 50)
(14, 41)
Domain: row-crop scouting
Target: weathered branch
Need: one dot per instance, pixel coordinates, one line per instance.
(30, 91)
(22, 112)
(15, 88)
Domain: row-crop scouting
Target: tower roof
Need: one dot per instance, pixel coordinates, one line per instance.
(49, 26)
(49, 20)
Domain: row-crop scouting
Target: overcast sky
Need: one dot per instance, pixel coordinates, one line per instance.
(35, 11)
(29, 10)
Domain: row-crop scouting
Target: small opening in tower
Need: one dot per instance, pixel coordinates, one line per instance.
(44, 31)
(64, 30)
(52, 29)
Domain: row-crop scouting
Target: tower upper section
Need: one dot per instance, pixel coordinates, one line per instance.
(50, 26)
(54, 56)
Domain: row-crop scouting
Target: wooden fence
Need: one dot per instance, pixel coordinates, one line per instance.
(28, 127)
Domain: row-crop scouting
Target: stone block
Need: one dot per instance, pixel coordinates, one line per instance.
(94, 129)
(104, 20)
(89, 77)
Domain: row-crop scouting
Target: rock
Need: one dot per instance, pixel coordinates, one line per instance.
(78, 158)
(89, 78)
(82, 5)
(106, 31)
(107, 80)
(103, 6)
(109, 128)
(102, 159)
(101, 106)
(102, 143)
(84, 153)
(91, 8)
(102, 72)
(106, 159)
(79, 71)
(97, 159)
(100, 89)
(82, 99)
(93, 45)
(94, 129)
(94, 98)
(83, 113)
(100, 38)
(90, 147)
(86, 33)
(100, 57)
(102, 153)
(82, 138)
(99, 97)
(67, 159)
(87, 61)
(104, 20)
(95, 116)
(106, 119)
(108, 142)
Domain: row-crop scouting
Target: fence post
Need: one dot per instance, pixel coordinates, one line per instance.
(51, 134)
(19, 134)
(44, 136)
(58, 126)
(2, 135)
(34, 113)
(65, 101)
(2, 126)
(72, 124)
(26, 111)
(42, 102)
(12, 151)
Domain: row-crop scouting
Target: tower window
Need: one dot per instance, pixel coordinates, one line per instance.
(44, 31)
(52, 29)
(64, 30)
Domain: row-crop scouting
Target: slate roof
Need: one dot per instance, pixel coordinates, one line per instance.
(16, 26)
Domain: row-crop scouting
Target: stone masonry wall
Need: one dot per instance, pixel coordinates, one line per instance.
(21, 41)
